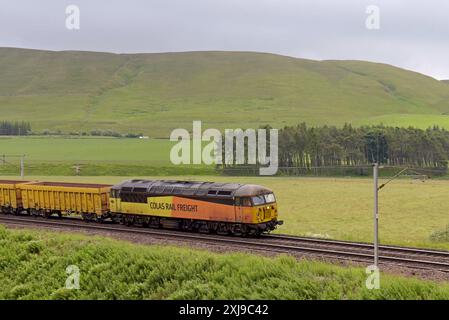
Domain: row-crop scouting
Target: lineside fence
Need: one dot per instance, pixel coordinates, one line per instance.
(14, 160)
(337, 171)
(20, 165)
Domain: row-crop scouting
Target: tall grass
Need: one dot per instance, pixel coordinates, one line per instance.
(440, 235)
(33, 265)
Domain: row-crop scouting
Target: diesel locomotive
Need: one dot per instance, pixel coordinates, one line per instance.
(223, 208)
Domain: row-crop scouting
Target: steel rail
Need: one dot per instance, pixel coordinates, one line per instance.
(363, 245)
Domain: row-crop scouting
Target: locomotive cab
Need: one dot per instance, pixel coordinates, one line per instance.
(256, 206)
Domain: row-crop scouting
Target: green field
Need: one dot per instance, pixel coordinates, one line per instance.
(152, 152)
(33, 266)
(410, 210)
(58, 155)
(155, 93)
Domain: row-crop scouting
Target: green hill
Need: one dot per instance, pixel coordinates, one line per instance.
(154, 93)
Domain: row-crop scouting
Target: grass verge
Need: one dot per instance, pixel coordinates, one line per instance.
(33, 266)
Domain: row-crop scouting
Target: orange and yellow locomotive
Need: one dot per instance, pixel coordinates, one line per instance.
(191, 205)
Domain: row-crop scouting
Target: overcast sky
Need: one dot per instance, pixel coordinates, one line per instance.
(413, 34)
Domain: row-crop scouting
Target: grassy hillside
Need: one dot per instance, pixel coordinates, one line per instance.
(33, 266)
(154, 93)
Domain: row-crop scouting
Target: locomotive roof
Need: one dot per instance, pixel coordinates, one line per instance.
(191, 188)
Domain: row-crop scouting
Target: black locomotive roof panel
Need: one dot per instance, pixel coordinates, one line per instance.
(190, 188)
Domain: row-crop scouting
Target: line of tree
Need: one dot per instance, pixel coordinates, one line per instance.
(94, 133)
(303, 146)
(330, 150)
(17, 128)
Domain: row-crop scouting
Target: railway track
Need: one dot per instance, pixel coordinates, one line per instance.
(363, 246)
(416, 258)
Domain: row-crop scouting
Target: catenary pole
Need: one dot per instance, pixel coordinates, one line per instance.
(376, 213)
(22, 166)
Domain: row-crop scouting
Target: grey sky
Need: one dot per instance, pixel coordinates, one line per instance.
(413, 34)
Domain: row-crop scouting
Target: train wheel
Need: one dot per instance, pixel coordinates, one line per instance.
(129, 220)
(222, 229)
(146, 222)
(245, 231)
(185, 225)
(116, 218)
(204, 228)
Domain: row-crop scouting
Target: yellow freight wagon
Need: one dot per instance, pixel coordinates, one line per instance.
(62, 198)
(10, 197)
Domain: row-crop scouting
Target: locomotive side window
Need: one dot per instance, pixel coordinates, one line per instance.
(246, 202)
